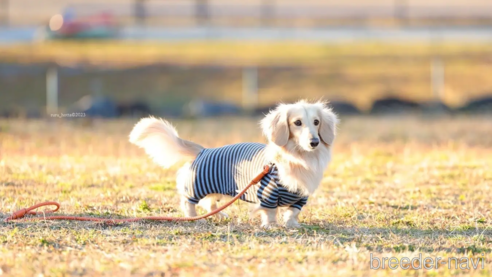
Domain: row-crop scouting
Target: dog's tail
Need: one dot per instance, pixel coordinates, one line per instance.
(161, 142)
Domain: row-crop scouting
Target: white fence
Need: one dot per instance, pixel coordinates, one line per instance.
(254, 12)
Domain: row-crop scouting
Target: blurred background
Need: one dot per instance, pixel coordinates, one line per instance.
(196, 58)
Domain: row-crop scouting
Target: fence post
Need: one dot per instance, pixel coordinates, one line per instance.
(401, 11)
(52, 89)
(250, 88)
(201, 12)
(96, 86)
(4, 7)
(267, 12)
(437, 76)
(140, 12)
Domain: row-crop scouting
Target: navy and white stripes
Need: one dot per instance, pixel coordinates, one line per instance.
(227, 170)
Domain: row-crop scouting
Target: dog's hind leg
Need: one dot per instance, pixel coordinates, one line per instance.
(188, 208)
(182, 179)
(209, 203)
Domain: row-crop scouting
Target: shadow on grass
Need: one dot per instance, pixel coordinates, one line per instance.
(372, 238)
(409, 238)
(30, 219)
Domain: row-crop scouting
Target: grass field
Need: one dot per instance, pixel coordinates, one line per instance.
(396, 187)
(298, 53)
(355, 72)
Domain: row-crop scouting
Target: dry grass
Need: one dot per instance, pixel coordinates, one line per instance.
(294, 53)
(394, 188)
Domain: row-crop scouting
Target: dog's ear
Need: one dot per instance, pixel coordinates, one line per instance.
(328, 126)
(275, 126)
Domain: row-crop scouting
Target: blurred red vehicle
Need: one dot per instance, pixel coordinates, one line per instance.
(99, 26)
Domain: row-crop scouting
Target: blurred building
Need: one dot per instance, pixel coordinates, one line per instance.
(173, 84)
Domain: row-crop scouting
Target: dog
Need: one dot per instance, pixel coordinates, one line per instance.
(300, 138)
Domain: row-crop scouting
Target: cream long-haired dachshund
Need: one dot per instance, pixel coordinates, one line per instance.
(300, 138)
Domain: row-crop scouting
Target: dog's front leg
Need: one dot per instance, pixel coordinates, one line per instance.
(268, 217)
(291, 216)
(209, 203)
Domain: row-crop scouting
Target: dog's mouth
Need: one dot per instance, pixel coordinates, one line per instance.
(308, 148)
(305, 147)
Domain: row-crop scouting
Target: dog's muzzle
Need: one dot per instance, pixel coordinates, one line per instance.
(314, 142)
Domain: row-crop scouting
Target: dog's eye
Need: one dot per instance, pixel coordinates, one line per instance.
(298, 123)
(316, 122)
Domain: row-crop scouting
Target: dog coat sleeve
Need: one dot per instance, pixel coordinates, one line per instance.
(272, 194)
(268, 194)
(299, 204)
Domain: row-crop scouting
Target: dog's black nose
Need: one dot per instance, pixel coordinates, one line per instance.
(314, 142)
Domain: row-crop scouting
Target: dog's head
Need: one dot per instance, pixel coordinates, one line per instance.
(307, 126)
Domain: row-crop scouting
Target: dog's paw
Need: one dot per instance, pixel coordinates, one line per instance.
(221, 216)
(268, 225)
(292, 223)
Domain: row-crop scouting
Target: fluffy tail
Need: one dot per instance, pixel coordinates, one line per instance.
(161, 142)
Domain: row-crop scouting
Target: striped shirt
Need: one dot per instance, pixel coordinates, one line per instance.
(229, 169)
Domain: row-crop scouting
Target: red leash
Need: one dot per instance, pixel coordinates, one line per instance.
(29, 211)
